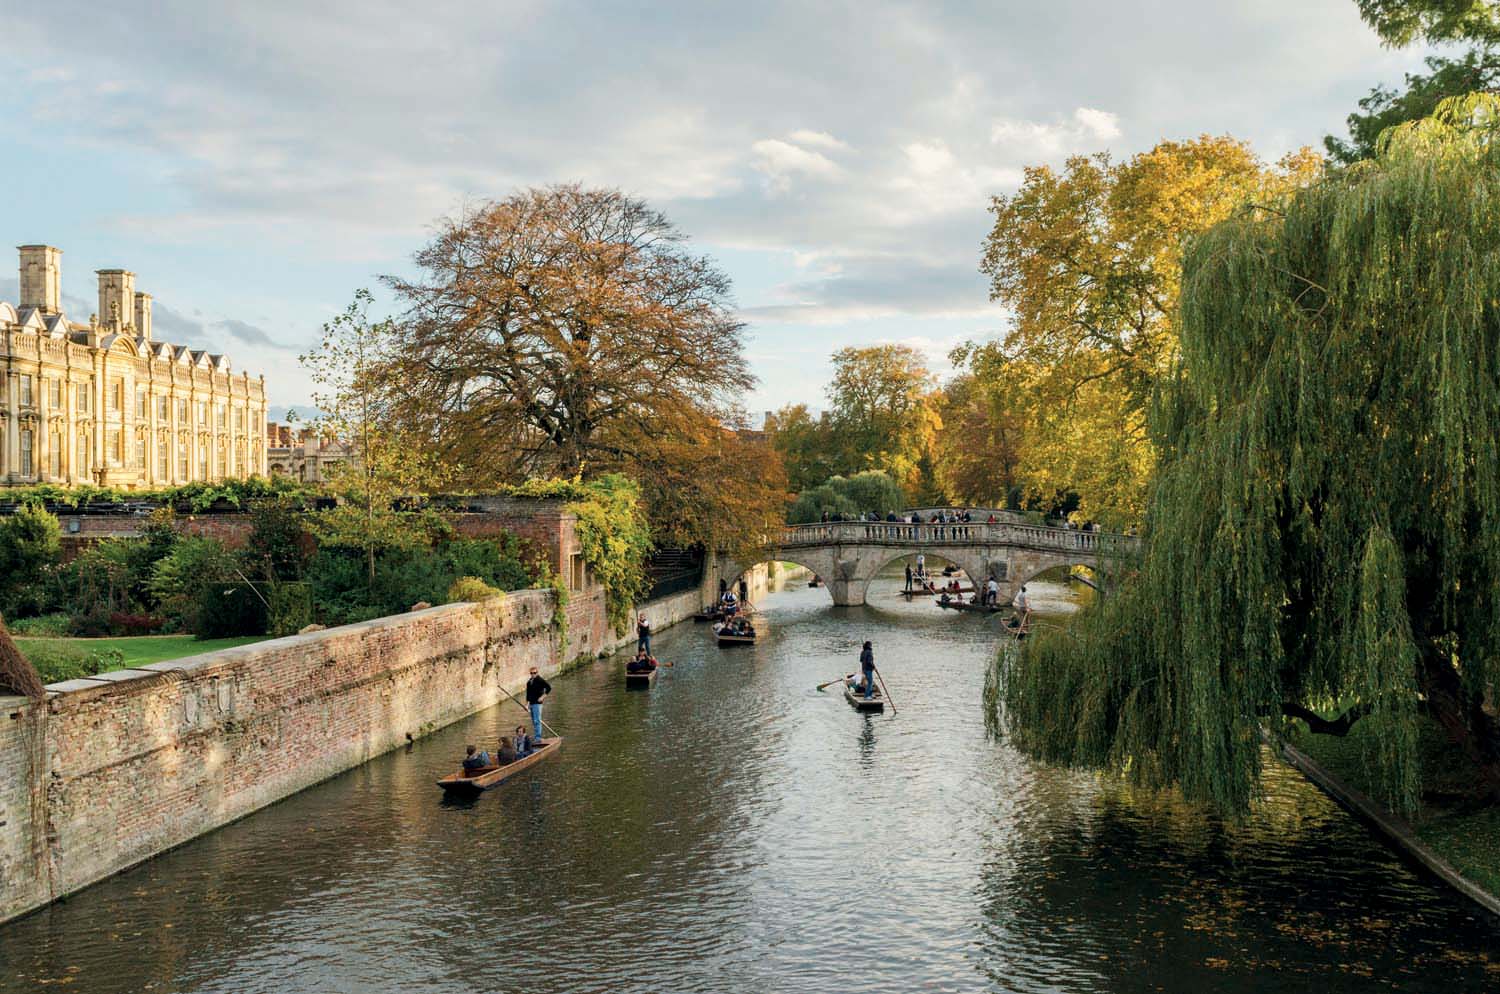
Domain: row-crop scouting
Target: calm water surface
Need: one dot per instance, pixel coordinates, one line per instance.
(733, 830)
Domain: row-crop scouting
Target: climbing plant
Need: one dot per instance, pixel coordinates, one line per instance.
(1323, 534)
(614, 538)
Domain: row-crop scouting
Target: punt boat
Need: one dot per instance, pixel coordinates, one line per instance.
(641, 681)
(464, 782)
(965, 606)
(858, 702)
(725, 637)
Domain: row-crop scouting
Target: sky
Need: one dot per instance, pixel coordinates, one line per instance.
(256, 163)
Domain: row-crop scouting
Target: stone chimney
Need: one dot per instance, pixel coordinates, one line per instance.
(116, 298)
(143, 315)
(41, 278)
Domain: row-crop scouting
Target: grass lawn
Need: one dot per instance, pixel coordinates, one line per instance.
(65, 659)
(1451, 822)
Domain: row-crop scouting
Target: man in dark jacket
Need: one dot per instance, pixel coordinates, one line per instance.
(537, 690)
(867, 667)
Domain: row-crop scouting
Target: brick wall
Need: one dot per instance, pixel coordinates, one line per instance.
(23, 876)
(135, 762)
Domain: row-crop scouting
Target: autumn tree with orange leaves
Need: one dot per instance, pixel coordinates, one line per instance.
(567, 331)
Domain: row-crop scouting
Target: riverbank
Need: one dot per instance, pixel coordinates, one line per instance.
(1458, 832)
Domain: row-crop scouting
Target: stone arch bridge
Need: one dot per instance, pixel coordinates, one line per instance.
(847, 555)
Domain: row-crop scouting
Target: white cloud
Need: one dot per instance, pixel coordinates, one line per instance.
(1099, 123)
(783, 161)
(816, 139)
(1085, 129)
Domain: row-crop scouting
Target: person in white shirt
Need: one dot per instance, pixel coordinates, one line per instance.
(1022, 605)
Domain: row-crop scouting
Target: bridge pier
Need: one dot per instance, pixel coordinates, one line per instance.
(847, 592)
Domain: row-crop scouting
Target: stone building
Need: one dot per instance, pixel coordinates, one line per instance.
(300, 454)
(107, 403)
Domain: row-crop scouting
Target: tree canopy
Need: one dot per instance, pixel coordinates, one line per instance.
(388, 461)
(1323, 533)
(565, 331)
(882, 415)
(1088, 262)
(1405, 22)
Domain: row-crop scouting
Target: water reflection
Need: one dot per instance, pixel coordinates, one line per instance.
(735, 830)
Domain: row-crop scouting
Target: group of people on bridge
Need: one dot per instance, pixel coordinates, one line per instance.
(909, 518)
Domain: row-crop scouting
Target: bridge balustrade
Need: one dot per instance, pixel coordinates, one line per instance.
(854, 532)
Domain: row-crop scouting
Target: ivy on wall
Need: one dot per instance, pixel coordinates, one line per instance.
(614, 538)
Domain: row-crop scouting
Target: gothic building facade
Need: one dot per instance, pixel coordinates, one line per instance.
(107, 403)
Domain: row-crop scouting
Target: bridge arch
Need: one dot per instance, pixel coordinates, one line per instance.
(820, 562)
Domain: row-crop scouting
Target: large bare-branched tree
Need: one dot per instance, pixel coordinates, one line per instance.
(565, 331)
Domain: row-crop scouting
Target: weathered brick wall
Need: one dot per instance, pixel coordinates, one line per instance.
(141, 760)
(23, 877)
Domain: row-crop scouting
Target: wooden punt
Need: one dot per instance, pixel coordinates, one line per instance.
(726, 639)
(964, 606)
(858, 702)
(466, 783)
(707, 615)
(641, 681)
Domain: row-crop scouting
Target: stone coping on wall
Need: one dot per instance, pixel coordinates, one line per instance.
(1395, 829)
(679, 606)
(227, 656)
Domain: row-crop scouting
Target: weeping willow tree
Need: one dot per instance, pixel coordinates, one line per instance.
(1323, 535)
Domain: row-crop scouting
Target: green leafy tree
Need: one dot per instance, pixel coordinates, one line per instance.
(1404, 22)
(388, 469)
(196, 567)
(30, 546)
(849, 496)
(882, 413)
(809, 446)
(1323, 535)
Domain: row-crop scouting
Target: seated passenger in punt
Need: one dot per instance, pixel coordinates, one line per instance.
(524, 744)
(475, 759)
(507, 751)
(642, 663)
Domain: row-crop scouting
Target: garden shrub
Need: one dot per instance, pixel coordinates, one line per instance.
(471, 588)
(181, 581)
(54, 625)
(69, 661)
(123, 623)
(291, 608)
(496, 561)
(90, 623)
(227, 610)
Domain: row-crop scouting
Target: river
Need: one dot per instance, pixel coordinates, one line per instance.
(733, 830)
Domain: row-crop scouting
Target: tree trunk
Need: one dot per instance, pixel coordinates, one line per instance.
(1465, 721)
